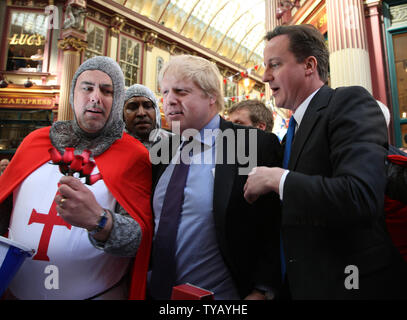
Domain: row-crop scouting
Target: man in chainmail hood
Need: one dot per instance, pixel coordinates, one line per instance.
(142, 115)
(69, 134)
(89, 232)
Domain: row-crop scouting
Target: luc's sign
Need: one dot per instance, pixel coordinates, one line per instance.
(27, 39)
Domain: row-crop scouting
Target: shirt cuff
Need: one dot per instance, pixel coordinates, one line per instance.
(281, 185)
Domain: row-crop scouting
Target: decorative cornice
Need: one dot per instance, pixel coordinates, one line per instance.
(117, 23)
(28, 3)
(398, 14)
(373, 8)
(150, 38)
(72, 44)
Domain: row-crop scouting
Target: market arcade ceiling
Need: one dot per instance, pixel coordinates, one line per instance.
(233, 29)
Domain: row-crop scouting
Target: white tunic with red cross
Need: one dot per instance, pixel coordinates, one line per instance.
(80, 271)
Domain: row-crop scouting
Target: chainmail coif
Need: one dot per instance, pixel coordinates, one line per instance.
(65, 134)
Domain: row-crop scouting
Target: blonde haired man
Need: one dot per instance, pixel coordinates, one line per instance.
(221, 242)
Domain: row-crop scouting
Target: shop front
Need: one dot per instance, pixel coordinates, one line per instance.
(21, 112)
(28, 72)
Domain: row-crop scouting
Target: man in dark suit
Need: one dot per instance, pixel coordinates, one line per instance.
(334, 238)
(222, 243)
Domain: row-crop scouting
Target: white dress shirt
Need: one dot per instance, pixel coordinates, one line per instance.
(298, 115)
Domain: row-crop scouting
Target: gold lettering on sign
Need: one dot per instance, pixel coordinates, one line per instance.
(22, 39)
(25, 101)
(13, 40)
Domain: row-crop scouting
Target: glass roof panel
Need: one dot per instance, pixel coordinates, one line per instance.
(236, 18)
(239, 24)
(185, 5)
(205, 13)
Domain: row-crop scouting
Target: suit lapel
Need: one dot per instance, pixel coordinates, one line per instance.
(310, 119)
(224, 174)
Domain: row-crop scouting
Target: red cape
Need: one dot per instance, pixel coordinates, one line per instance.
(126, 171)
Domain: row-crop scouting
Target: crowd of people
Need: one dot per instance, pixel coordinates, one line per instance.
(219, 204)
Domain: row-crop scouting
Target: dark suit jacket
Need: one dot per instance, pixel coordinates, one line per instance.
(248, 235)
(333, 197)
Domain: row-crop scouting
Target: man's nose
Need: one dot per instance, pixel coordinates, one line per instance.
(267, 76)
(95, 96)
(141, 112)
(170, 99)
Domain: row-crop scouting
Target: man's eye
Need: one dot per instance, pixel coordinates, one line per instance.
(131, 108)
(147, 105)
(107, 91)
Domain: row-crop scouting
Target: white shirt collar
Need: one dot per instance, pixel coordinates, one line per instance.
(207, 135)
(299, 113)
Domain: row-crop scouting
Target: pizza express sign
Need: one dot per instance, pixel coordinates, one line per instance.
(26, 102)
(27, 39)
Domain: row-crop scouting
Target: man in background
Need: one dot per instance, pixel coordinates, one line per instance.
(142, 115)
(3, 165)
(252, 113)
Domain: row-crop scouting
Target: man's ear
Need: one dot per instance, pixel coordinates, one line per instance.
(261, 125)
(212, 99)
(310, 65)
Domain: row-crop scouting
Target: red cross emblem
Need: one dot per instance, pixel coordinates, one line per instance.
(49, 221)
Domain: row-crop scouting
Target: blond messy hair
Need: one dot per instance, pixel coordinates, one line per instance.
(203, 73)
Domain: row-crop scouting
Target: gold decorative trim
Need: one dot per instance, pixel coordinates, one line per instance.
(150, 38)
(72, 43)
(117, 23)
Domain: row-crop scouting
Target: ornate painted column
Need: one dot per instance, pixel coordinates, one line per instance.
(271, 15)
(116, 25)
(72, 42)
(349, 56)
(377, 54)
(271, 23)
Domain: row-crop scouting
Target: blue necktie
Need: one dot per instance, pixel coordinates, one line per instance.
(287, 151)
(164, 246)
(288, 141)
